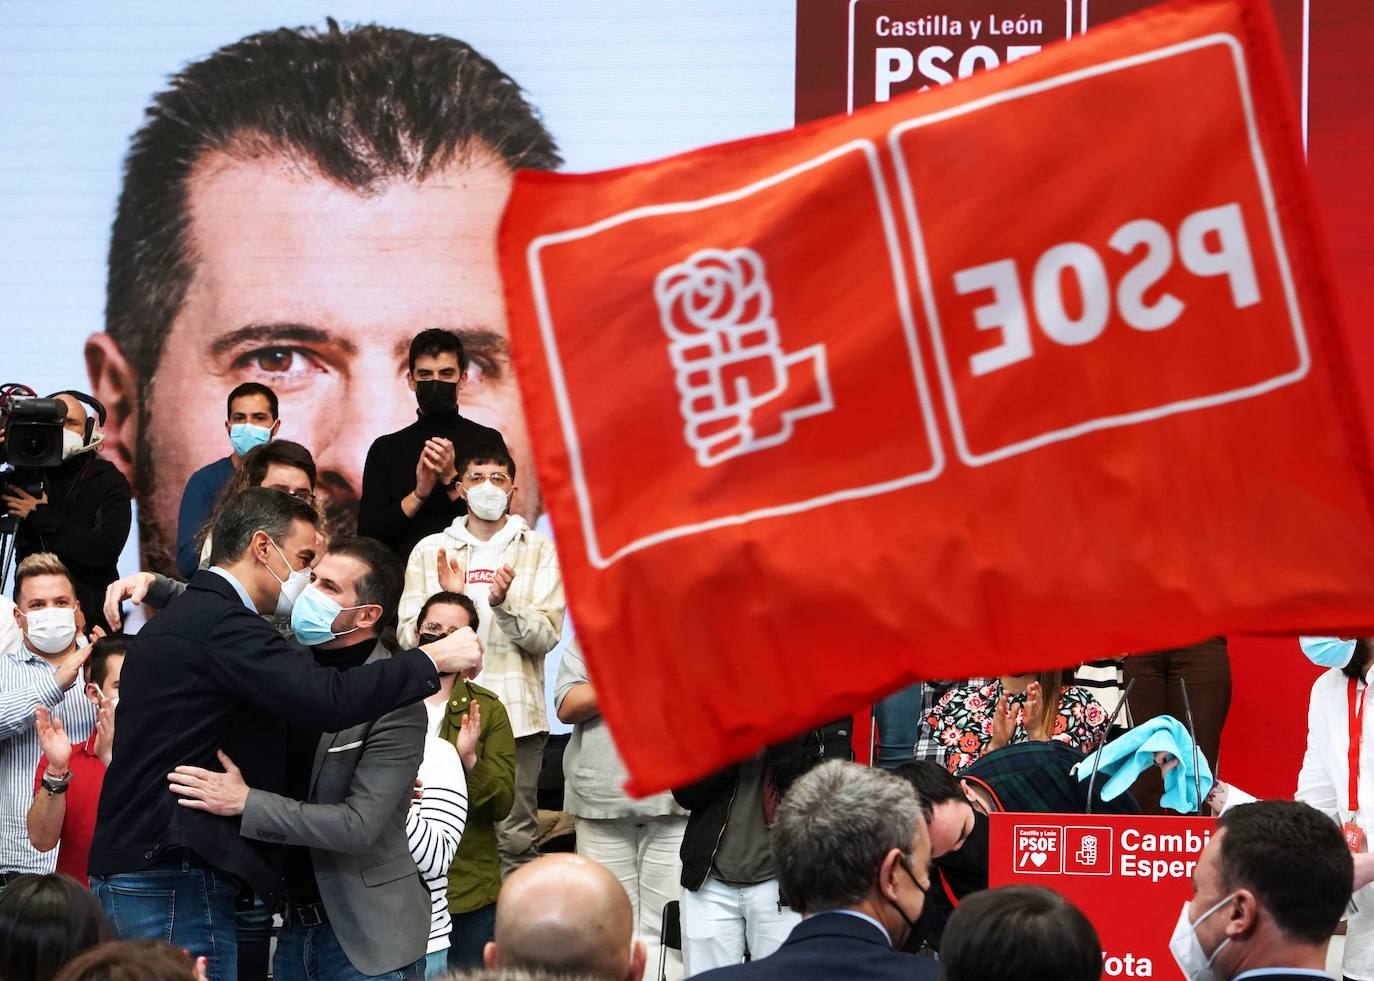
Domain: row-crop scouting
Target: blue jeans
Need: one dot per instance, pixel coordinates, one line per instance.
(313, 954)
(897, 717)
(468, 937)
(188, 907)
(436, 963)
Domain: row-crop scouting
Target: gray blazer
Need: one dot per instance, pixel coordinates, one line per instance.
(354, 823)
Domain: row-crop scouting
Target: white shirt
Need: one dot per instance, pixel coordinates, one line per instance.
(1324, 783)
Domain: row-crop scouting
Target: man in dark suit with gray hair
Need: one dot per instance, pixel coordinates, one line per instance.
(853, 856)
(355, 905)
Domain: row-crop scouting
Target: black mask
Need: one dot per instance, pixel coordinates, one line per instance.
(968, 867)
(436, 398)
(915, 882)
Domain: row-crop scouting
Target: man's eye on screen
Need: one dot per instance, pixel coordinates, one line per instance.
(282, 364)
(483, 370)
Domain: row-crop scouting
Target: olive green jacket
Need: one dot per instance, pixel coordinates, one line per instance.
(474, 878)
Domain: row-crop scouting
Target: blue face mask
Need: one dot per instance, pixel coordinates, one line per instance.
(1327, 652)
(313, 616)
(243, 436)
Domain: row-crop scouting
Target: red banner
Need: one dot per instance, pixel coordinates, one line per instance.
(828, 411)
(1130, 874)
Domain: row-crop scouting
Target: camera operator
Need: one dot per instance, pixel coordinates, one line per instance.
(79, 509)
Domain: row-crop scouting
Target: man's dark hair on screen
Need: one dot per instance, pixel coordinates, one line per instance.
(360, 105)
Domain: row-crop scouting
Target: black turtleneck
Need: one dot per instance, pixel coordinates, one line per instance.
(301, 744)
(389, 475)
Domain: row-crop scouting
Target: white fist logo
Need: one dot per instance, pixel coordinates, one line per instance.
(730, 369)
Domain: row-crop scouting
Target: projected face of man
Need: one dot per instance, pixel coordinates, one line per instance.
(316, 290)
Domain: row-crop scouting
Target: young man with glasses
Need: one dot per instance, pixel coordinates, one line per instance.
(510, 572)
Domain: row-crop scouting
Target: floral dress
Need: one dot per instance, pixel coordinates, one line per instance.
(962, 722)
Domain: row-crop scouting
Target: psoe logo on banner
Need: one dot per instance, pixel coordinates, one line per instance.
(729, 365)
(900, 46)
(1087, 851)
(1039, 848)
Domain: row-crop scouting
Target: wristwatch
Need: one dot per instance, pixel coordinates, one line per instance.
(56, 785)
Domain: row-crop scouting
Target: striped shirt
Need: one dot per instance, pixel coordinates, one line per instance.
(435, 826)
(26, 681)
(1105, 680)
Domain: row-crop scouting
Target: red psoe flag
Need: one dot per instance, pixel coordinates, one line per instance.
(1034, 368)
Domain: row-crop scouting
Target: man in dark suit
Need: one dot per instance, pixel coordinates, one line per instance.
(355, 902)
(853, 856)
(209, 674)
(1268, 892)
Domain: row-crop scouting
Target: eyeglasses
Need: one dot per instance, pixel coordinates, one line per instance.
(300, 494)
(435, 628)
(498, 480)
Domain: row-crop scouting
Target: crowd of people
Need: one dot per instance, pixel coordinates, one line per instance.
(320, 756)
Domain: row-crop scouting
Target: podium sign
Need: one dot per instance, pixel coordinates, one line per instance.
(1129, 873)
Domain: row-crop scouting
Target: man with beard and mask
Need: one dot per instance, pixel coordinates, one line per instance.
(511, 573)
(853, 856)
(1033, 777)
(81, 512)
(40, 674)
(1268, 892)
(410, 480)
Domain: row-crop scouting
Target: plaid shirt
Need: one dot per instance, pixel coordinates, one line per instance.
(524, 628)
(1037, 778)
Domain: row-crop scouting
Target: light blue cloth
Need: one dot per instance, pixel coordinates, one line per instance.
(1130, 755)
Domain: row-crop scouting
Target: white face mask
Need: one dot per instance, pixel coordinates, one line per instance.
(73, 444)
(486, 501)
(1187, 949)
(50, 630)
(291, 587)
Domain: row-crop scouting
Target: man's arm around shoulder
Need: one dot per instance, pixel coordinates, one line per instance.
(383, 780)
(255, 662)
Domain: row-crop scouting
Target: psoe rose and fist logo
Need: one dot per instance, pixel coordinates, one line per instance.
(1039, 848)
(730, 367)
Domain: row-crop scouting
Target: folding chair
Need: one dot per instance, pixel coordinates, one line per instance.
(670, 935)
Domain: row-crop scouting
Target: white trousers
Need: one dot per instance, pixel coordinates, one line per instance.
(643, 853)
(720, 922)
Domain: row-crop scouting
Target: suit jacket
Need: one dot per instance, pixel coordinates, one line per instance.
(208, 673)
(832, 945)
(354, 823)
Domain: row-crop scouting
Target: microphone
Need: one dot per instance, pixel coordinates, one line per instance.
(1097, 759)
(1192, 734)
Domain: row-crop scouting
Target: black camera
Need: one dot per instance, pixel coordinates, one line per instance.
(32, 430)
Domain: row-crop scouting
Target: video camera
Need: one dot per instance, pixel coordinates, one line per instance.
(31, 428)
(32, 432)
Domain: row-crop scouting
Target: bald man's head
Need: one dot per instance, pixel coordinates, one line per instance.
(565, 913)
